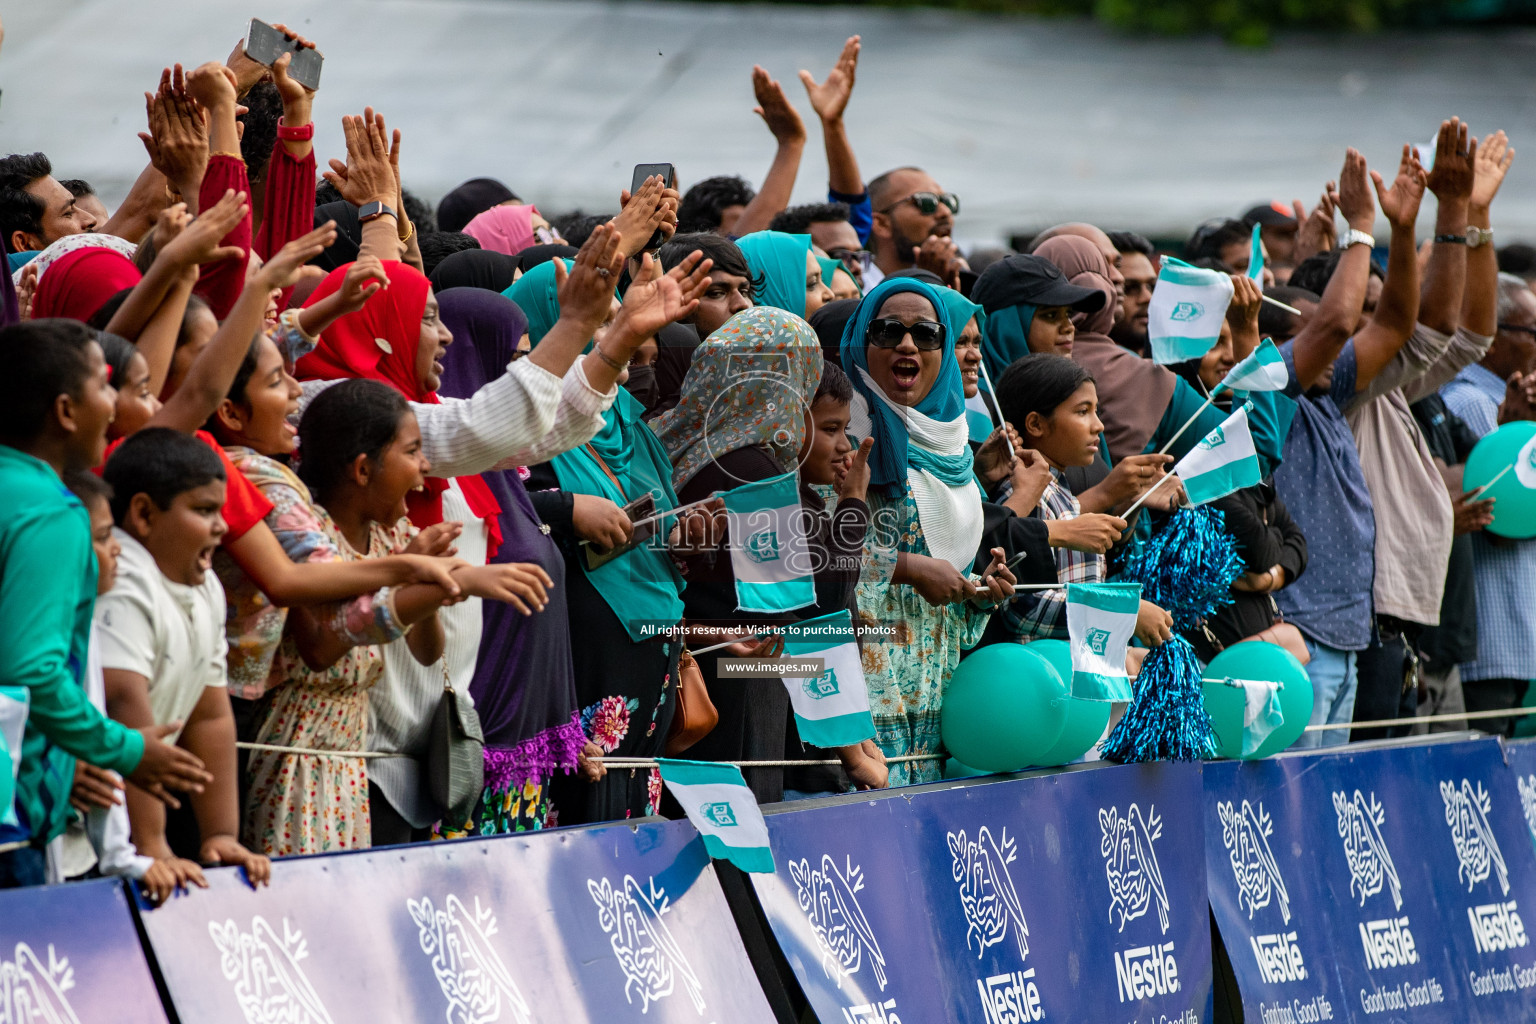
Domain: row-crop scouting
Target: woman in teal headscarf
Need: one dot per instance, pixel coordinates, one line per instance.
(837, 279)
(968, 317)
(926, 515)
(791, 276)
(536, 294)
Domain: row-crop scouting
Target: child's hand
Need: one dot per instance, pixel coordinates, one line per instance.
(95, 787)
(853, 482)
(198, 242)
(436, 540)
(523, 585)
(283, 269)
(365, 278)
(170, 875)
(227, 850)
(1154, 626)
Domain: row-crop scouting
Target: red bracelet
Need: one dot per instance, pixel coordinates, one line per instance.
(303, 133)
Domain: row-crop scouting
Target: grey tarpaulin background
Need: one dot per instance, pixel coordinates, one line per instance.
(1029, 121)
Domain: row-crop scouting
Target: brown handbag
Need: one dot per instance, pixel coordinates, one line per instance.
(695, 715)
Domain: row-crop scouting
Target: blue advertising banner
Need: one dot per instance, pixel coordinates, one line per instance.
(1078, 895)
(604, 925)
(69, 954)
(1521, 757)
(1384, 884)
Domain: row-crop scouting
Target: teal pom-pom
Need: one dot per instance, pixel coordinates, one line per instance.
(1167, 720)
(1187, 569)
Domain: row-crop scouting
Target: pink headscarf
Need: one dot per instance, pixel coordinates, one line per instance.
(504, 229)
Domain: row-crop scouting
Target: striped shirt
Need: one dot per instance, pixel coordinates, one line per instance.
(1042, 614)
(1504, 571)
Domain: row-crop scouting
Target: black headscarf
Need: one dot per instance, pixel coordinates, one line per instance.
(675, 344)
(474, 268)
(828, 322)
(349, 234)
(469, 200)
(536, 254)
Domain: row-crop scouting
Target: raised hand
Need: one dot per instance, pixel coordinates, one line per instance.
(774, 108)
(367, 176)
(211, 84)
(941, 256)
(198, 242)
(1247, 298)
(853, 480)
(585, 292)
(177, 140)
(1317, 232)
(650, 305)
(364, 279)
(830, 98)
(1356, 202)
(1455, 156)
(1400, 203)
(1489, 167)
(641, 214)
(26, 290)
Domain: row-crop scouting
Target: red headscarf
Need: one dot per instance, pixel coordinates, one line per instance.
(379, 342)
(79, 284)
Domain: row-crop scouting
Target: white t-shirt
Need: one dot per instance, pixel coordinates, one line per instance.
(169, 633)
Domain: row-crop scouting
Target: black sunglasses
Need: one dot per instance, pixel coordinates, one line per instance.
(887, 332)
(927, 203)
(1517, 328)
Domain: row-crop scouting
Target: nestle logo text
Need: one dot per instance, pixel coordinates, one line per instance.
(1011, 998)
(1146, 971)
(1497, 927)
(1279, 957)
(1388, 943)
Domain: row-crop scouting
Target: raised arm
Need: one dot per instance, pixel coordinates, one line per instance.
(829, 100)
(1479, 298)
(137, 212)
(213, 86)
(1397, 313)
(1451, 182)
(787, 128)
(177, 140)
(1317, 345)
(288, 209)
(368, 177)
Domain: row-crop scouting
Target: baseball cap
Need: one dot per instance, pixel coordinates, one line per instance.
(1032, 281)
(1272, 214)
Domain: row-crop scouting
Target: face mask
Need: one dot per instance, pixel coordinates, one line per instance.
(643, 386)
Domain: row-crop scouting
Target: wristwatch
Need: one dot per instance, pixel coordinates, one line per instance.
(373, 211)
(1479, 237)
(1451, 239)
(299, 133)
(1357, 237)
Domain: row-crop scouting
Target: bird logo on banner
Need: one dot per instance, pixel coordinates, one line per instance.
(830, 901)
(1466, 812)
(987, 893)
(470, 972)
(1527, 787)
(1130, 864)
(648, 954)
(270, 986)
(1370, 862)
(33, 993)
(1246, 835)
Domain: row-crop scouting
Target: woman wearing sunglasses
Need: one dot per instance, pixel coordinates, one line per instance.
(925, 512)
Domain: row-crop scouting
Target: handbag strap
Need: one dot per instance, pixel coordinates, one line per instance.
(604, 467)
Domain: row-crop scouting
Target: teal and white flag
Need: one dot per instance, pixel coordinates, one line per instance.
(716, 799)
(1188, 308)
(1223, 462)
(1263, 370)
(831, 709)
(1262, 713)
(1101, 619)
(769, 551)
(1256, 257)
(15, 702)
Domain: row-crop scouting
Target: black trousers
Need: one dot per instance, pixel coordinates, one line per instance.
(1494, 695)
(1380, 671)
(388, 827)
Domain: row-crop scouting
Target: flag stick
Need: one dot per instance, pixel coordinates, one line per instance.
(1139, 501)
(1478, 492)
(673, 511)
(1280, 305)
(722, 646)
(995, 408)
(1180, 433)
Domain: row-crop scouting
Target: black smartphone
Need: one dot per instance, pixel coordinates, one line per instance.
(669, 178)
(265, 44)
(642, 507)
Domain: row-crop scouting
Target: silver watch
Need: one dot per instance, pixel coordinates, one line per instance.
(1478, 237)
(1357, 237)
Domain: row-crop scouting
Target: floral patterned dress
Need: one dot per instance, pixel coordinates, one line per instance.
(310, 803)
(906, 672)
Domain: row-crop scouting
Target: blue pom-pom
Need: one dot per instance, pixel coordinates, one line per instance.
(1187, 569)
(1167, 720)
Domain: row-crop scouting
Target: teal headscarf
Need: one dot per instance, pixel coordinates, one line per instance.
(780, 259)
(641, 586)
(961, 311)
(1005, 337)
(945, 402)
(830, 266)
(535, 294)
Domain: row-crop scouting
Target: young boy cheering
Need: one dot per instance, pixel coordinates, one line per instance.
(161, 629)
(55, 404)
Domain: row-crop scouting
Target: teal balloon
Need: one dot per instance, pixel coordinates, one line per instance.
(1004, 707)
(1225, 706)
(1086, 719)
(1256, 659)
(955, 770)
(1512, 447)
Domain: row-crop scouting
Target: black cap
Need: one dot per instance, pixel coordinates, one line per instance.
(1032, 281)
(1273, 214)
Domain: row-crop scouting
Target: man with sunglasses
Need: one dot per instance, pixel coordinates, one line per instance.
(913, 221)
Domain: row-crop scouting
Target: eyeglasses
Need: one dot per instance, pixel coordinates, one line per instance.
(888, 332)
(1518, 329)
(927, 203)
(857, 261)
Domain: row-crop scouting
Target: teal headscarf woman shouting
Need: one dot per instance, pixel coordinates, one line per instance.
(899, 350)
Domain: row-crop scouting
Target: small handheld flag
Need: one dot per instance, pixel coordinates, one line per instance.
(1223, 462)
(1256, 257)
(770, 554)
(15, 703)
(1263, 370)
(831, 709)
(1101, 618)
(716, 799)
(1188, 308)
